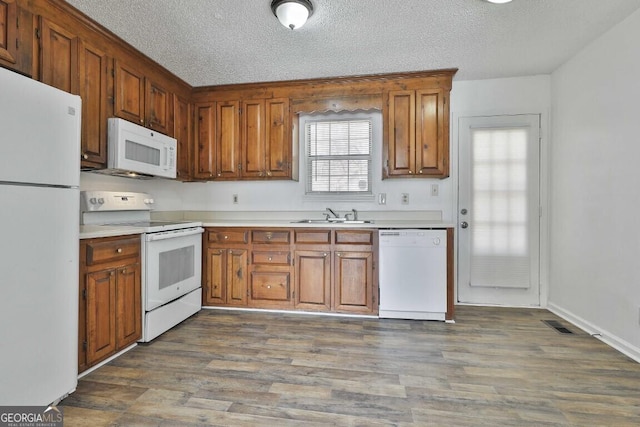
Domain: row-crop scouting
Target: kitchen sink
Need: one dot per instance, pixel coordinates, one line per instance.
(333, 221)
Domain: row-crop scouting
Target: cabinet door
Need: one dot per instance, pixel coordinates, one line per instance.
(313, 280)
(271, 288)
(401, 128)
(16, 37)
(253, 139)
(9, 31)
(101, 315)
(278, 138)
(182, 132)
(215, 291)
(59, 57)
(353, 281)
(228, 162)
(129, 93)
(237, 280)
(128, 305)
(205, 140)
(94, 68)
(158, 108)
(432, 153)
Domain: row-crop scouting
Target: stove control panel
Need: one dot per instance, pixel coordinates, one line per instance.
(105, 201)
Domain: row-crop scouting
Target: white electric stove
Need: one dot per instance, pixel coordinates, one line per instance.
(171, 256)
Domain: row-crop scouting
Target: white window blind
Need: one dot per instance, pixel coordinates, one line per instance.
(499, 239)
(338, 155)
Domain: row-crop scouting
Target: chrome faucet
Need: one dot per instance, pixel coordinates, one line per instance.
(354, 213)
(333, 213)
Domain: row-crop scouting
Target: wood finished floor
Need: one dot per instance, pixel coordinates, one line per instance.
(494, 367)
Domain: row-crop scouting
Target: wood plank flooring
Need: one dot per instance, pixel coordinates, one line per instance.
(493, 367)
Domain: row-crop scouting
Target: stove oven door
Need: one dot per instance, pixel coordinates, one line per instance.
(172, 265)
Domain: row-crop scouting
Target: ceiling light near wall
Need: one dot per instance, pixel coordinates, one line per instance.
(292, 13)
(498, 1)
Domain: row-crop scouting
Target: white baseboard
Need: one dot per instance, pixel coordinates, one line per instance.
(605, 336)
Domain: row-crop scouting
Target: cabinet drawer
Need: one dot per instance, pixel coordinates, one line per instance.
(269, 236)
(228, 236)
(364, 237)
(112, 250)
(313, 236)
(270, 286)
(271, 257)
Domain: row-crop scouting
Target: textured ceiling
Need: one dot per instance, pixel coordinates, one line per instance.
(212, 42)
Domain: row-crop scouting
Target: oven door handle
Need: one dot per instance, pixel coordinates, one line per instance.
(163, 235)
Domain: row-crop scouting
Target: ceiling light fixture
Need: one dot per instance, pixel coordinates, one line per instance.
(499, 1)
(292, 13)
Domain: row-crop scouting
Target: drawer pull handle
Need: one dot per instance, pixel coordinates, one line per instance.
(268, 286)
(226, 237)
(119, 250)
(124, 271)
(270, 259)
(324, 254)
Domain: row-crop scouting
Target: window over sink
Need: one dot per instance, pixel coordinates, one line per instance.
(338, 154)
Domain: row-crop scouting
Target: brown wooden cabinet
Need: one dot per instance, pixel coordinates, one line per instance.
(353, 281)
(227, 140)
(183, 132)
(271, 281)
(204, 142)
(76, 66)
(140, 100)
(16, 37)
(110, 315)
(95, 87)
(225, 267)
(243, 139)
(418, 134)
(266, 139)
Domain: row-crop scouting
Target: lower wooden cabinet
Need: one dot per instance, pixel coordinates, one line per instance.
(110, 317)
(315, 270)
(226, 276)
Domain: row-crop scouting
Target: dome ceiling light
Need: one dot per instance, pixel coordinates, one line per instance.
(498, 1)
(292, 13)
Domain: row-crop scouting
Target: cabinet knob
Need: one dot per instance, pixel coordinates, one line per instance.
(339, 254)
(85, 156)
(420, 172)
(268, 286)
(226, 237)
(324, 254)
(410, 172)
(219, 174)
(111, 273)
(119, 250)
(270, 259)
(142, 121)
(230, 252)
(268, 173)
(124, 271)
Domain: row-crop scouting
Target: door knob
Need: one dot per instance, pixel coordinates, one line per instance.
(464, 224)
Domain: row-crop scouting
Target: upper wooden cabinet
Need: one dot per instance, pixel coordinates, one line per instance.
(227, 140)
(76, 66)
(204, 141)
(16, 37)
(244, 139)
(266, 141)
(95, 88)
(418, 128)
(140, 100)
(183, 132)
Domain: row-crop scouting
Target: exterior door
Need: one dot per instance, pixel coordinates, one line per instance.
(498, 210)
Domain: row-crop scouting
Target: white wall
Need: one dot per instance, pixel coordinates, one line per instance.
(595, 196)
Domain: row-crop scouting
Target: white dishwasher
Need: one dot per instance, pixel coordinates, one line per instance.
(413, 274)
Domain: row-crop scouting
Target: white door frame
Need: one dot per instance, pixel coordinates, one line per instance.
(545, 127)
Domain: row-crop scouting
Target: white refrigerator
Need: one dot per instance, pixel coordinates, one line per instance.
(39, 225)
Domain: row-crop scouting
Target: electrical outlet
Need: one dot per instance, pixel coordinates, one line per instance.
(435, 190)
(405, 199)
(235, 199)
(382, 198)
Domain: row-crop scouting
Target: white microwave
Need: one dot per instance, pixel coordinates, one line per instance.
(135, 151)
